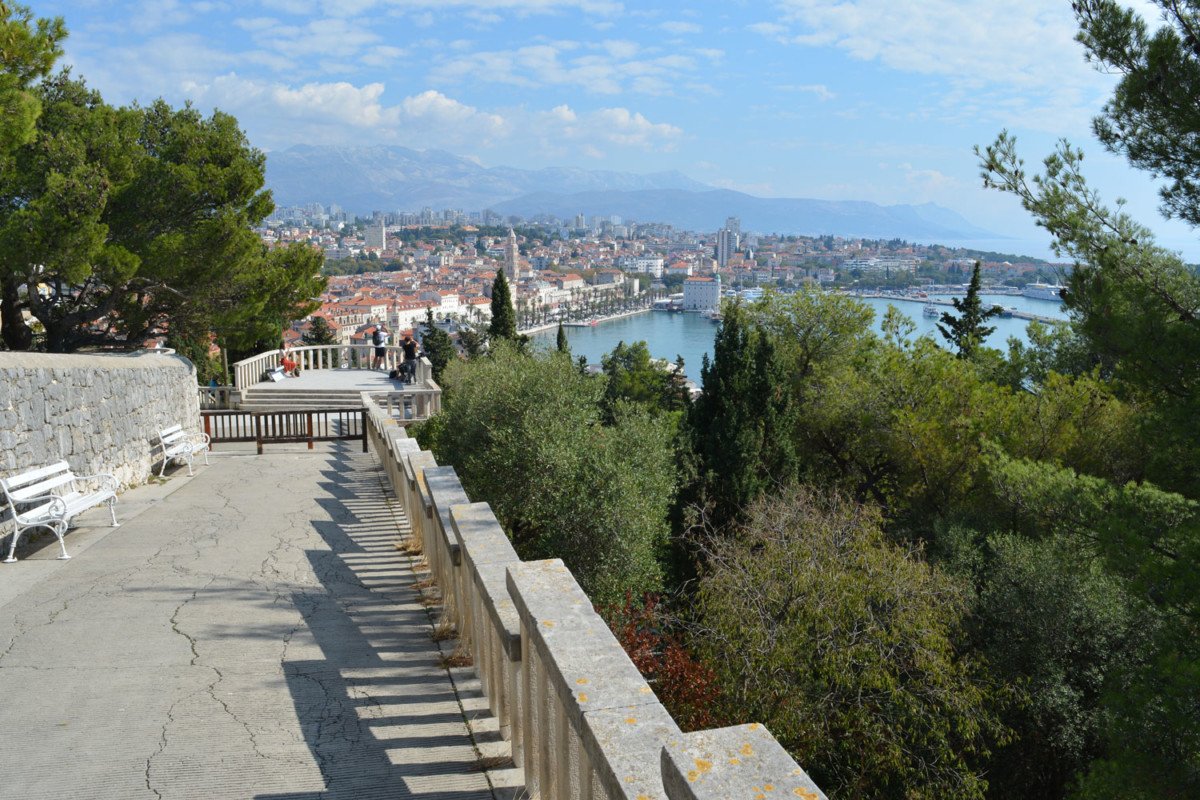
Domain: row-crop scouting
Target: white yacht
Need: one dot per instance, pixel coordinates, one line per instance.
(1043, 291)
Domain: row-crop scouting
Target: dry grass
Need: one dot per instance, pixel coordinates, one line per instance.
(444, 631)
(494, 762)
(457, 659)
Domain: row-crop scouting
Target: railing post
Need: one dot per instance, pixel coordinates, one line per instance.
(258, 434)
(363, 423)
(310, 430)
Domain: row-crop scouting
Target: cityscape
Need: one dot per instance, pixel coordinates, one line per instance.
(402, 265)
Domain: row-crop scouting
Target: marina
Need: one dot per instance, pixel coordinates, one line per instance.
(690, 334)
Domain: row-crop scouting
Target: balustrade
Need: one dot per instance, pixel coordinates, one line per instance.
(250, 371)
(582, 721)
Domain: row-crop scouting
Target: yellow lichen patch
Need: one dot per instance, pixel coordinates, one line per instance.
(806, 794)
(753, 726)
(581, 681)
(703, 766)
(643, 797)
(692, 775)
(630, 779)
(645, 690)
(770, 787)
(747, 750)
(797, 771)
(735, 761)
(582, 697)
(547, 623)
(631, 720)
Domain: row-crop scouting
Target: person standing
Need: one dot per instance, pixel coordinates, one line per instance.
(380, 339)
(409, 367)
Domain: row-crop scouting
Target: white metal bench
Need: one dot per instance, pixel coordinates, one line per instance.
(50, 497)
(179, 445)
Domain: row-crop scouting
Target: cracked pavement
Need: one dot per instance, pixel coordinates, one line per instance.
(249, 632)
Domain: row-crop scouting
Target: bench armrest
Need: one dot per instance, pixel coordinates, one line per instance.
(56, 508)
(107, 480)
(200, 438)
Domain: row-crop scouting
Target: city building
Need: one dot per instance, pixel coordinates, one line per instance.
(702, 293)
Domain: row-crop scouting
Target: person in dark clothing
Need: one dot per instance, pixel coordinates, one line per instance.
(411, 354)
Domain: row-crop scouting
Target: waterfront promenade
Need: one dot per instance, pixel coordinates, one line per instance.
(251, 632)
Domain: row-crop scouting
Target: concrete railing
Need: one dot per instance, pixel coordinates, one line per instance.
(409, 404)
(250, 371)
(582, 721)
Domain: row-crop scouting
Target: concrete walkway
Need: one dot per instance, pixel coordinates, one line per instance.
(248, 633)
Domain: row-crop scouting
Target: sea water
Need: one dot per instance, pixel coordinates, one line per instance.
(691, 335)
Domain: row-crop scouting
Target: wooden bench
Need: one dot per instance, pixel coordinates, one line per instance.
(179, 445)
(50, 497)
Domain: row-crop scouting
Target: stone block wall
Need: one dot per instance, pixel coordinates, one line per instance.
(101, 413)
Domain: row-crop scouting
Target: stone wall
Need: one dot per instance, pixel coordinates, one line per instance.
(101, 413)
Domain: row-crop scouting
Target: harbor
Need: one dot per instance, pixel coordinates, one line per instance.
(690, 334)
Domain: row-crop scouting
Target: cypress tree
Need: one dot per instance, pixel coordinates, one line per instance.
(504, 318)
(561, 340)
(439, 349)
(966, 331)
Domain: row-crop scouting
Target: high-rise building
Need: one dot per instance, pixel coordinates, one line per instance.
(733, 224)
(376, 236)
(727, 245)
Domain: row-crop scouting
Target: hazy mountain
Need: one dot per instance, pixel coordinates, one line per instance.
(707, 210)
(365, 179)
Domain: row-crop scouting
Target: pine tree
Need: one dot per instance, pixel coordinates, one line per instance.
(504, 319)
(967, 331)
(319, 333)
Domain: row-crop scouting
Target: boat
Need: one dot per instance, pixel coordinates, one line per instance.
(1043, 291)
(931, 310)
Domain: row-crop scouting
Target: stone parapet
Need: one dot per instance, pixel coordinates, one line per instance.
(582, 721)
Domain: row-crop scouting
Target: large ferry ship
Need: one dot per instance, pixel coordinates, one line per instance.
(1043, 291)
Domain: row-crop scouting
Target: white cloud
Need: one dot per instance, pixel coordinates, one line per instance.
(680, 27)
(342, 112)
(277, 115)
(621, 126)
(1010, 61)
(819, 90)
(609, 67)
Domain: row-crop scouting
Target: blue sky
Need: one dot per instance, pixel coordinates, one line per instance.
(877, 100)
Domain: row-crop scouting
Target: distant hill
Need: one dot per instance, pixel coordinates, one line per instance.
(366, 179)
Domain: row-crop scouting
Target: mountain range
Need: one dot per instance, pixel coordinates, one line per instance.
(365, 179)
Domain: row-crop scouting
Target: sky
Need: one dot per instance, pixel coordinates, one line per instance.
(879, 100)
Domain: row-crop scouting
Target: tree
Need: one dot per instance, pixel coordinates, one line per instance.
(504, 320)
(842, 644)
(1135, 305)
(525, 435)
(319, 333)
(136, 222)
(473, 339)
(439, 349)
(634, 377)
(560, 340)
(1151, 118)
(967, 331)
(30, 49)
